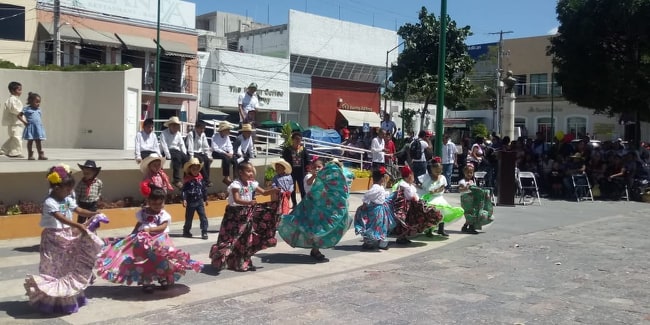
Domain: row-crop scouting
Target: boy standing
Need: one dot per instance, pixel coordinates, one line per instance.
(14, 121)
(89, 190)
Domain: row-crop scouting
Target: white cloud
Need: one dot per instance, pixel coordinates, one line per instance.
(552, 31)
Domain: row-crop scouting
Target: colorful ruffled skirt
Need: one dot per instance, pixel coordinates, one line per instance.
(478, 207)
(450, 214)
(144, 258)
(321, 219)
(66, 268)
(412, 217)
(374, 221)
(244, 231)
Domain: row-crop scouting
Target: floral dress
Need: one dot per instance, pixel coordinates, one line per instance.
(478, 207)
(321, 219)
(450, 213)
(374, 219)
(412, 216)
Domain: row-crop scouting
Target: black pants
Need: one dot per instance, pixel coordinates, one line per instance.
(226, 163)
(298, 175)
(90, 206)
(178, 159)
(419, 169)
(205, 160)
(146, 153)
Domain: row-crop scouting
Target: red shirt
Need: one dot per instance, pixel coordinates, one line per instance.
(390, 149)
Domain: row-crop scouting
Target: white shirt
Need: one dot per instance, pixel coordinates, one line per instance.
(462, 184)
(146, 142)
(221, 144)
(12, 107)
(410, 191)
(248, 103)
(377, 194)
(246, 146)
(51, 205)
(377, 148)
(170, 141)
(424, 145)
(153, 220)
(449, 153)
(199, 145)
(307, 186)
(245, 191)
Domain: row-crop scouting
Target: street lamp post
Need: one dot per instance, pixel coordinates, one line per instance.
(156, 110)
(386, 76)
(442, 59)
(57, 32)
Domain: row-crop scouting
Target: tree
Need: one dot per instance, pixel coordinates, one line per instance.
(416, 71)
(602, 56)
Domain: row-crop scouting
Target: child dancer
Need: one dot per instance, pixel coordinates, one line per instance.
(283, 182)
(68, 250)
(247, 226)
(321, 219)
(412, 215)
(374, 218)
(34, 130)
(195, 197)
(316, 165)
(89, 190)
(435, 198)
(148, 254)
(475, 202)
(152, 169)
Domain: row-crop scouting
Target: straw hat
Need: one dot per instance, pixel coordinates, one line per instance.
(223, 125)
(246, 128)
(190, 163)
(285, 164)
(144, 165)
(172, 120)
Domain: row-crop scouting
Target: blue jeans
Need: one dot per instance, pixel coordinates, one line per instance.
(447, 170)
(190, 208)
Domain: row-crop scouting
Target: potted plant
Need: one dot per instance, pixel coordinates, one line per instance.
(269, 173)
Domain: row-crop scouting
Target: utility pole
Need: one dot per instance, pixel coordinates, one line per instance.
(442, 59)
(498, 81)
(57, 32)
(156, 109)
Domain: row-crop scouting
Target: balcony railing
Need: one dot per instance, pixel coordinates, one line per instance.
(537, 89)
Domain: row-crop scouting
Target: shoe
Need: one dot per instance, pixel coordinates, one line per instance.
(41, 156)
(226, 180)
(187, 234)
(204, 236)
(385, 248)
(464, 229)
(179, 185)
(366, 247)
(429, 232)
(441, 230)
(252, 268)
(17, 156)
(403, 241)
(319, 257)
(470, 230)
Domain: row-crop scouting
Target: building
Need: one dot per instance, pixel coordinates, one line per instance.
(111, 32)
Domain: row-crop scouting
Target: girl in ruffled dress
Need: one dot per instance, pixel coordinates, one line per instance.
(68, 250)
(321, 219)
(148, 254)
(434, 197)
(374, 219)
(316, 165)
(475, 202)
(247, 226)
(412, 215)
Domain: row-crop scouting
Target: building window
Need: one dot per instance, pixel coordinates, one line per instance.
(520, 86)
(577, 126)
(214, 75)
(545, 127)
(520, 123)
(539, 84)
(12, 22)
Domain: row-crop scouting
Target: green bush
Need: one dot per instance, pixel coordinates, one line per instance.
(78, 67)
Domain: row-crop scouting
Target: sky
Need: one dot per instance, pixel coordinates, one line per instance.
(524, 18)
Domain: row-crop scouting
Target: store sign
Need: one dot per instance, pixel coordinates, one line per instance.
(347, 106)
(534, 109)
(172, 12)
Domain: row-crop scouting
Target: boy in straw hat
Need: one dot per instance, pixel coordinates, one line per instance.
(174, 149)
(195, 197)
(284, 182)
(246, 146)
(222, 149)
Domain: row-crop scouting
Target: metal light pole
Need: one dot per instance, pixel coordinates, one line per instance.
(386, 76)
(57, 32)
(442, 59)
(552, 103)
(156, 110)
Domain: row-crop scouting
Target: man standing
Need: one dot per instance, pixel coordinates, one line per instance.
(388, 126)
(248, 103)
(417, 156)
(12, 118)
(197, 146)
(378, 149)
(449, 152)
(171, 141)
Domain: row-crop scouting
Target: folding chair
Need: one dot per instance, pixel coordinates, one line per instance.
(527, 186)
(582, 188)
(479, 180)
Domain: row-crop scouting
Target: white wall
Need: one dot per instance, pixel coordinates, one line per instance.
(273, 43)
(329, 38)
(83, 109)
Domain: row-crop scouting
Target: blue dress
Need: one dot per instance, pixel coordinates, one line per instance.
(321, 219)
(34, 129)
(374, 220)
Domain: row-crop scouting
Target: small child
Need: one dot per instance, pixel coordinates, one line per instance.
(284, 182)
(435, 198)
(151, 168)
(89, 190)
(148, 253)
(13, 119)
(475, 201)
(34, 130)
(374, 219)
(316, 165)
(67, 258)
(195, 197)
(247, 227)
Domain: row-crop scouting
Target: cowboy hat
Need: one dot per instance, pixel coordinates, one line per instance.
(90, 164)
(144, 165)
(223, 125)
(284, 163)
(252, 85)
(246, 128)
(193, 161)
(172, 120)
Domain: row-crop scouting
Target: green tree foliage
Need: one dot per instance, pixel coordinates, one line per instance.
(602, 55)
(479, 129)
(416, 71)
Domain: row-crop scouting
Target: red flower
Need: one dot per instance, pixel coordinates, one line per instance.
(437, 159)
